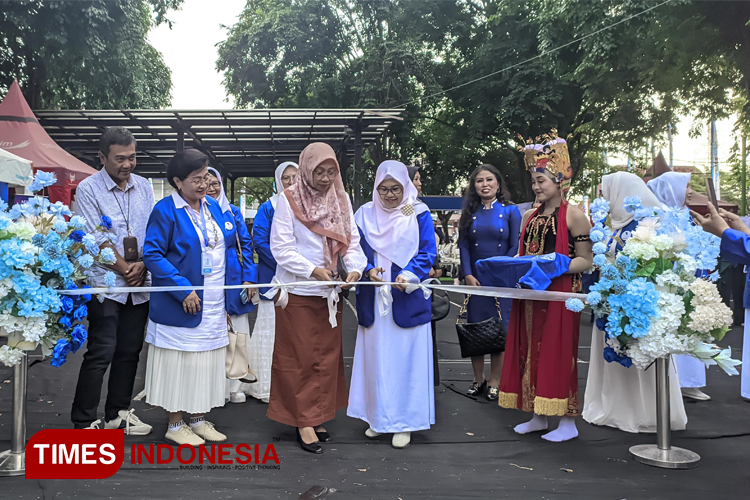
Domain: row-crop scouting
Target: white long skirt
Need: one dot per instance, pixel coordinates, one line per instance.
(392, 385)
(690, 370)
(625, 398)
(189, 381)
(260, 351)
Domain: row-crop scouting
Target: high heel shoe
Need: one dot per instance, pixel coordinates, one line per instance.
(492, 393)
(323, 436)
(312, 447)
(476, 390)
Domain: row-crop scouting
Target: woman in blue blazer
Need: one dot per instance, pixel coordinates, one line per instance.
(392, 382)
(191, 242)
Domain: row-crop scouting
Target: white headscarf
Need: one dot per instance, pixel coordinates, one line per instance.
(278, 187)
(670, 188)
(618, 186)
(222, 199)
(392, 232)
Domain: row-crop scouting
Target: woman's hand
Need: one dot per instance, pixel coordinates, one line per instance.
(734, 221)
(250, 291)
(192, 303)
(374, 273)
(472, 281)
(321, 274)
(401, 279)
(352, 278)
(712, 223)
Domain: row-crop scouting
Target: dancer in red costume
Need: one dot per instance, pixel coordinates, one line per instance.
(540, 373)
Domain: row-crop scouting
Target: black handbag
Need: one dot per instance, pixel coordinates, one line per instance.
(441, 305)
(478, 339)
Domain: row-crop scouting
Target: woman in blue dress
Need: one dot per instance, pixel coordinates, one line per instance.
(489, 227)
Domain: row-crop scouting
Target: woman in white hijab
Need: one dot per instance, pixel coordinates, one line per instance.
(616, 396)
(392, 381)
(260, 346)
(671, 190)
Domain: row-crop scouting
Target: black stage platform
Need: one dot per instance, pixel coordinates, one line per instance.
(471, 452)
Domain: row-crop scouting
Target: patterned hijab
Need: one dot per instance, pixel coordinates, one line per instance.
(325, 213)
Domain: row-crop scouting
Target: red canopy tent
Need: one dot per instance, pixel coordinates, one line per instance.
(22, 135)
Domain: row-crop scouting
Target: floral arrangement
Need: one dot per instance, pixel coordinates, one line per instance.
(42, 252)
(656, 296)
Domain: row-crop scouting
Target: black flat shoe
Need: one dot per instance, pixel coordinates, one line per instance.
(323, 436)
(475, 389)
(312, 447)
(492, 393)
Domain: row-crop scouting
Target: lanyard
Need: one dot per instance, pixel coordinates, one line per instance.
(202, 226)
(127, 219)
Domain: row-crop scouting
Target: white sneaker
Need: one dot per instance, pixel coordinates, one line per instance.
(695, 393)
(372, 434)
(401, 439)
(94, 425)
(184, 435)
(130, 422)
(237, 397)
(208, 432)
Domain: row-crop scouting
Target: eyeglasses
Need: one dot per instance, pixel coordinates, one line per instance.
(214, 185)
(200, 182)
(396, 190)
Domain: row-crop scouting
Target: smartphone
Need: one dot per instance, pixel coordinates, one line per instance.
(243, 296)
(711, 193)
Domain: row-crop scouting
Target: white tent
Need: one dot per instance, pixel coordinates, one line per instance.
(15, 170)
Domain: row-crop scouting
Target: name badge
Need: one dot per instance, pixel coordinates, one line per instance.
(206, 267)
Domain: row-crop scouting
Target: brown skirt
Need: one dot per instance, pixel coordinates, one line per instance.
(307, 374)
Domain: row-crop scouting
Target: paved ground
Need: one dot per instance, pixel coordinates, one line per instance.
(471, 452)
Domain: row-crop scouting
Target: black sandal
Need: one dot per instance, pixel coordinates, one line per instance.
(476, 390)
(492, 393)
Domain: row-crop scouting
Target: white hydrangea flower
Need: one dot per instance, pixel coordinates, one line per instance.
(644, 233)
(21, 230)
(662, 242)
(671, 279)
(9, 356)
(640, 251)
(687, 263)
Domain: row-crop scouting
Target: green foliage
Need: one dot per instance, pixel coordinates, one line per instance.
(85, 54)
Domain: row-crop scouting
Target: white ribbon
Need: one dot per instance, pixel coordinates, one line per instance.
(333, 300)
(384, 300)
(280, 288)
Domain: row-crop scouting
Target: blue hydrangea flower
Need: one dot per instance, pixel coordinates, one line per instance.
(631, 203)
(77, 235)
(89, 240)
(596, 235)
(599, 248)
(60, 209)
(53, 250)
(3, 205)
(574, 305)
(38, 240)
(77, 222)
(600, 260)
(108, 255)
(60, 226)
(46, 179)
(86, 261)
(593, 298)
(106, 222)
(109, 278)
(60, 352)
(610, 271)
(600, 205)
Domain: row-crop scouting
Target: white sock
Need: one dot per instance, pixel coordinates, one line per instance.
(536, 424)
(197, 421)
(565, 431)
(176, 425)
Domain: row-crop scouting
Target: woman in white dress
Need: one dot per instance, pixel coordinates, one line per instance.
(671, 189)
(392, 375)
(260, 346)
(616, 396)
(189, 242)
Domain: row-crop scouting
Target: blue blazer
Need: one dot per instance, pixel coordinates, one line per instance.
(262, 244)
(409, 309)
(172, 253)
(735, 247)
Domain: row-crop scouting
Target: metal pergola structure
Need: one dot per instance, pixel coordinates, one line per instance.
(240, 143)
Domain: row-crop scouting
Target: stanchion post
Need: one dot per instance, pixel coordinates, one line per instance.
(663, 454)
(12, 461)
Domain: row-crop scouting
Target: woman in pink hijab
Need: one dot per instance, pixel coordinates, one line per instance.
(313, 230)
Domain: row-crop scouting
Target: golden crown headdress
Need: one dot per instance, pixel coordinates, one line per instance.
(548, 153)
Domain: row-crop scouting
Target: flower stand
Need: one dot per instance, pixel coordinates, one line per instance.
(663, 454)
(12, 461)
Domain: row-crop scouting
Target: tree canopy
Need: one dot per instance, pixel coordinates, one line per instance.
(86, 54)
(610, 74)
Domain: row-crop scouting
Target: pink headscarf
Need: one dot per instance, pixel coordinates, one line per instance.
(325, 213)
